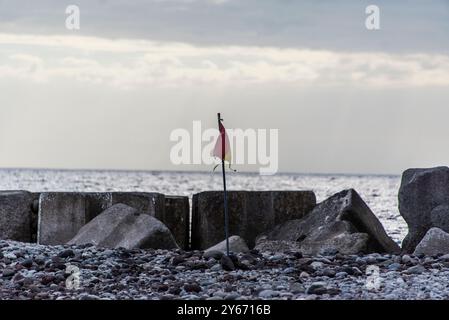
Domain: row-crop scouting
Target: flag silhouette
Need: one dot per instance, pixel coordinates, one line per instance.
(222, 149)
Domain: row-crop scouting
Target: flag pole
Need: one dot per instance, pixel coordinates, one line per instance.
(225, 195)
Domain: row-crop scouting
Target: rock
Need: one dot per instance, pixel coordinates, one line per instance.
(47, 279)
(267, 208)
(344, 243)
(7, 273)
(424, 203)
(264, 245)
(27, 263)
(216, 254)
(66, 253)
(444, 257)
(406, 259)
(435, 242)
(318, 288)
(192, 287)
(176, 217)
(297, 288)
(123, 226)
(267, 294)
(343, 223)
(16, 215)
(415, 270)
(226, 263)
(236, 245)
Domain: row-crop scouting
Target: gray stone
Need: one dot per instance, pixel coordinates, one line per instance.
(236, 245)
(267, 294)
(250, 213)
(435, 242)
(215, 254)
(226, 263)
(423, 203)
(297, 288)
(337, 236)
(176, 217)
(264, 245)
(317, 288)
(123, 226)
(342, 223)
(16, 215)
(415, 270)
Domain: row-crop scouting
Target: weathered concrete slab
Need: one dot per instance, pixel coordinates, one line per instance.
(250, 213)
(151, 203)
(61, 216)
(176, 218)
(16, 215)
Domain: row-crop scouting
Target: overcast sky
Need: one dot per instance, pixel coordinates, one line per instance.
(345, 99)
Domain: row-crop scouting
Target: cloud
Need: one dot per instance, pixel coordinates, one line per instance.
(325, 24)
(130, 64)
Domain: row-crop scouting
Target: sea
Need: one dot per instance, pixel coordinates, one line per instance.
(378, 191)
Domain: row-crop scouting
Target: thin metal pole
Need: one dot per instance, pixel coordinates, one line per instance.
(225, 195)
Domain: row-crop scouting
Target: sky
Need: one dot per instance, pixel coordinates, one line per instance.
(343, 98)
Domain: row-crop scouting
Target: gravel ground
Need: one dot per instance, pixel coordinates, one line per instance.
(30, 271)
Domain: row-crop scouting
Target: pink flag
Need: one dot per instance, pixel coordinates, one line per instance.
(222, 149)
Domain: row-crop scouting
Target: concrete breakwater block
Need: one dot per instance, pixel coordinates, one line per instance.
(250, 213)
(122, 226)
(16, 215)
(63, 214)
(176, 217)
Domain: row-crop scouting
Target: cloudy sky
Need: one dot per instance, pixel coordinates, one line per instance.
(345, 99)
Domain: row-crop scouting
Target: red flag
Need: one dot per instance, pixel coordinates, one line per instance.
(222, 149)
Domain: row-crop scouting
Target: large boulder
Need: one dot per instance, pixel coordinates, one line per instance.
(125, 227)
(236, 245)
(16, 216)
(435, 242)
(424, 203)
(343, 223)
(250, 213)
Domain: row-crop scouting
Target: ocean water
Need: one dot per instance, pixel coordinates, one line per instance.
(379, 192)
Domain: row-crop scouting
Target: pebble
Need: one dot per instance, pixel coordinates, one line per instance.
(150, 274)
(317, 288)
(66, 253)
(266, 294)
(8, 273)
(415, 270)
(226, 263)
(297, 288)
